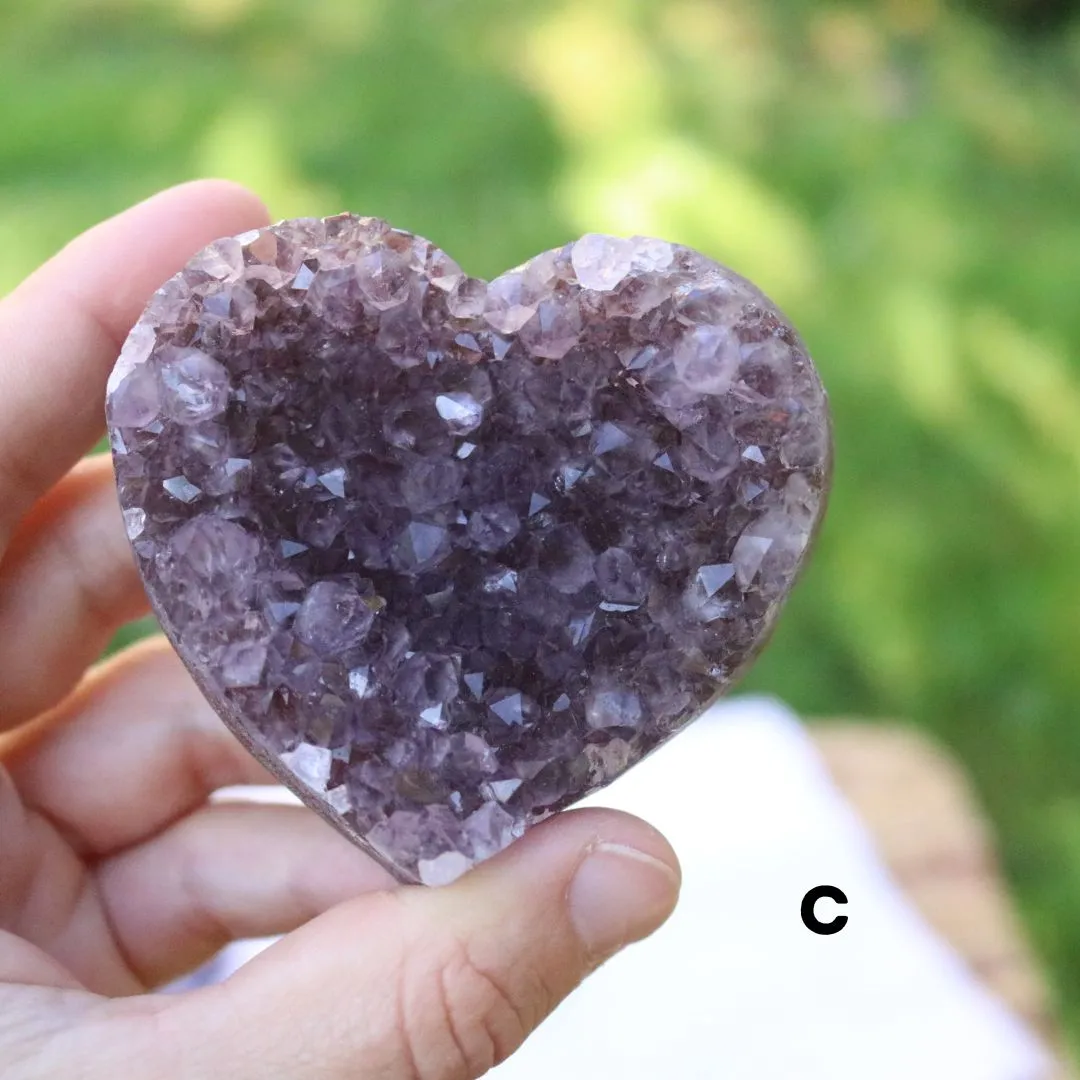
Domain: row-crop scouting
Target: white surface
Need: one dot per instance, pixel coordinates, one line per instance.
(734, 987)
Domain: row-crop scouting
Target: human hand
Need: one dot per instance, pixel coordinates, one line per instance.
(116, 872)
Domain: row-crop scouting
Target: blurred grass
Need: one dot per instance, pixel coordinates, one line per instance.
(901, 176)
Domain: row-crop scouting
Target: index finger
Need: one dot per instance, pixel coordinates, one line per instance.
(61, 329)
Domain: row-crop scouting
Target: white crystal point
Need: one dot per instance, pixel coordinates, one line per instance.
(602, 262)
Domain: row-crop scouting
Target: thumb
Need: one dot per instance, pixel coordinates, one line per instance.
(444, 983)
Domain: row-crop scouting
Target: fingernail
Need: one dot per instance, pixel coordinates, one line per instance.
(619, 895)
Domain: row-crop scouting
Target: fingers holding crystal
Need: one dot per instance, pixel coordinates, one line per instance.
(134, 748)
(230, 870)
(440, 982)
(61, 330)
(67, 582)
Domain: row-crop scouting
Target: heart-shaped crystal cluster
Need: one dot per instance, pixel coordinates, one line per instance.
(449, 555)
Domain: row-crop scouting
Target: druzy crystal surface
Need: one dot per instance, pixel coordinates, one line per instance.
(448, 555)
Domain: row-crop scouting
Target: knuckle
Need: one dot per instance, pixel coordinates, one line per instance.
(480, 1008)
(20, 484)
(456, 1018)
(91, 582)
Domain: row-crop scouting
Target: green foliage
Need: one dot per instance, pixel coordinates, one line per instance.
(901, 177)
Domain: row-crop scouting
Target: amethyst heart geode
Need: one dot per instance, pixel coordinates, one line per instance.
(448, 555)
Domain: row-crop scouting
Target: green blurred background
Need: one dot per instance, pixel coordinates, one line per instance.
(901, 175)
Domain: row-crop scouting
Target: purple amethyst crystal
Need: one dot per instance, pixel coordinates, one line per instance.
(447, 555)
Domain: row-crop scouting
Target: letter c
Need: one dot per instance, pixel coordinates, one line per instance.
(811, 921)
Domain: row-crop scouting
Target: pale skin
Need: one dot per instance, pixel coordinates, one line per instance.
(117, 874)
